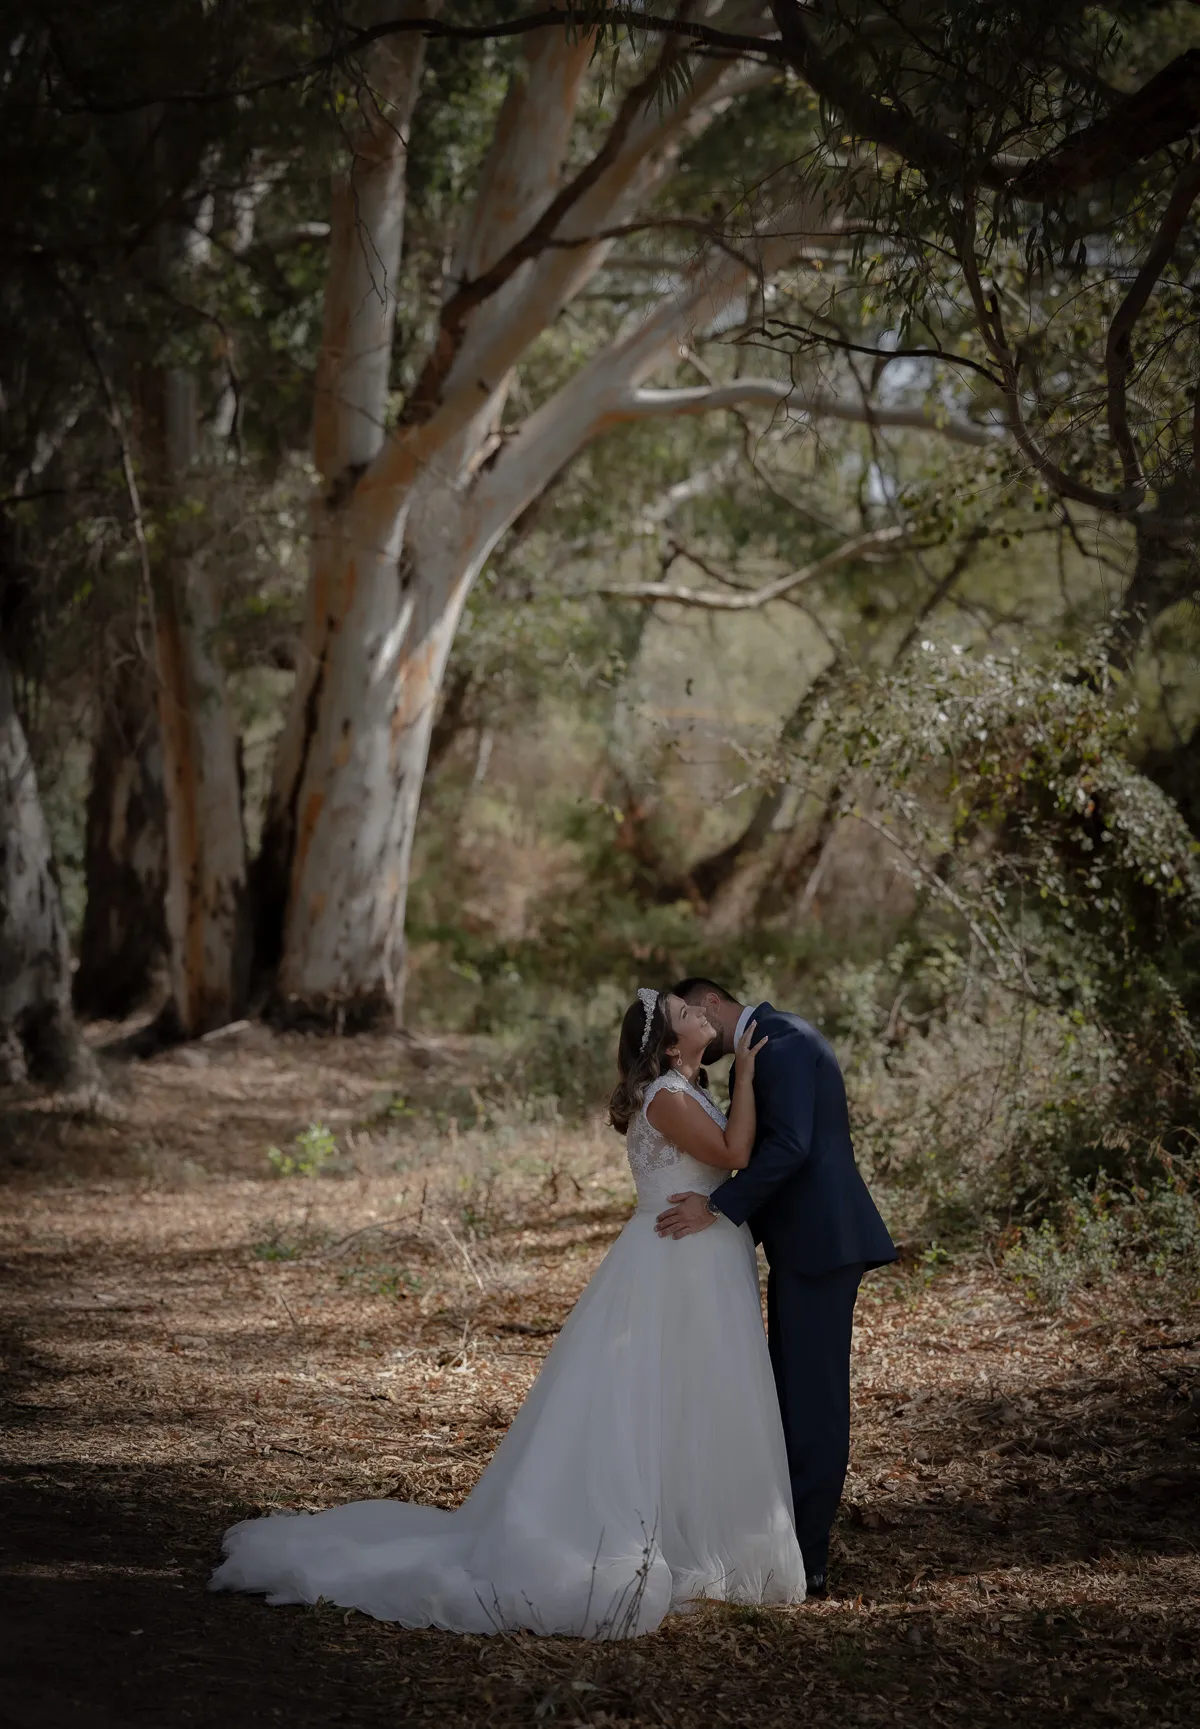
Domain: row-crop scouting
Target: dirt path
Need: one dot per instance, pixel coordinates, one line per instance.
(188, 1338)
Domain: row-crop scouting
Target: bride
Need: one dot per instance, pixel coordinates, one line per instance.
(646, 1468)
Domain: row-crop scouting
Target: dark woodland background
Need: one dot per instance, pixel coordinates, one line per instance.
(499, 508)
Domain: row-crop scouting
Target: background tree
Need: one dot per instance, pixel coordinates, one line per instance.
(710, 246)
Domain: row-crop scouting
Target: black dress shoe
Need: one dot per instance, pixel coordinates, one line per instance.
(818, 1585)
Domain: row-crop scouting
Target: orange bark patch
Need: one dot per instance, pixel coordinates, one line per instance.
(313, 806)
(416, 692)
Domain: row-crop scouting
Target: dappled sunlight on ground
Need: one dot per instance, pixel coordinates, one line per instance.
(189, 1338)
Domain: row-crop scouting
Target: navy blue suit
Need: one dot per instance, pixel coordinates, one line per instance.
(807, 1204)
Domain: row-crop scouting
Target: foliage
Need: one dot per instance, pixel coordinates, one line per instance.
(1101, 1227)
(1027, 989)
(316, 1148)
(1008, 793)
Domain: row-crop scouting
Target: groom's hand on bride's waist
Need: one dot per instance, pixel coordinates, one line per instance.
(687, 1214)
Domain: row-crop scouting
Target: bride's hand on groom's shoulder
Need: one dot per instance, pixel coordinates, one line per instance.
(747, 1051)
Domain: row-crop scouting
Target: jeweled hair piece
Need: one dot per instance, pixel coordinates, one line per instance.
(649, 1001)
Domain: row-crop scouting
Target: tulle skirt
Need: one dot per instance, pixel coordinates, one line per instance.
(645, 1470)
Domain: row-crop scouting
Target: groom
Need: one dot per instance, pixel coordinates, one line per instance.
(810, 1209)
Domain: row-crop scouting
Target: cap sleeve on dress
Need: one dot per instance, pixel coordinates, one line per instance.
(671, 1082)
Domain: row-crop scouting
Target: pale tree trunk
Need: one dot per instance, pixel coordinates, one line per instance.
(391, 575)
(39, 1038)
(206, 908)
(366, 237)
(343, 956)
(123, 943)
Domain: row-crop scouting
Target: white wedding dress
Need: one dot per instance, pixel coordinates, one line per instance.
(645, 1469)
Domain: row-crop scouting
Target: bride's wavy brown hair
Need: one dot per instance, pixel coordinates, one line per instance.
(636, 1065)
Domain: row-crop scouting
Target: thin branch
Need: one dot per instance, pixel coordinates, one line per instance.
(1117, 354)
(116, 421)
(820, 339)
(941, 589)
(714, 601)
(1163, 112)
(991, 328)
(702, 399)
(728, 44)
(939, 887)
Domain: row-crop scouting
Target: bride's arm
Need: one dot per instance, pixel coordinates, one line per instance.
(688, 1126)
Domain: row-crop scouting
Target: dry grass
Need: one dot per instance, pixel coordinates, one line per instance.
(189, 1338)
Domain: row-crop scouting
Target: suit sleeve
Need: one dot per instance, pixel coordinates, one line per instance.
(785, 1090)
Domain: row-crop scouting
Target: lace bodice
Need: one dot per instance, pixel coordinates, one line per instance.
(660, 1169)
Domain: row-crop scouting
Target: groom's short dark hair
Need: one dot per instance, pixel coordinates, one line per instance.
(689, 988)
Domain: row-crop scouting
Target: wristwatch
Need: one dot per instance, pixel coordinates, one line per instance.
(712, 1207)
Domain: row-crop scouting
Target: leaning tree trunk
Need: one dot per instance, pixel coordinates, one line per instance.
(206, 905)
(38, 1035)
(343, 939)
(123, 943)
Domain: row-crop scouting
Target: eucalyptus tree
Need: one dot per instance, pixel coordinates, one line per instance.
(417, 493)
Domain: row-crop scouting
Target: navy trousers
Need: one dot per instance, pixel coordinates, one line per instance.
(809, 1325)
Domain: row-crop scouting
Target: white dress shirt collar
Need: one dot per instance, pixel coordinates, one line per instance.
(748, 1014)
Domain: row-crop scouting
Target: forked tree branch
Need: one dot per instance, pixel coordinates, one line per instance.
(1117, 355)
(482, 355)
(470, 295)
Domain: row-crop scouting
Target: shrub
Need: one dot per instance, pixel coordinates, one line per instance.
(315, 1147)
(1102, 1229)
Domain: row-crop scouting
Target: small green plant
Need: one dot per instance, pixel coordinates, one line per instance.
(393, 1282)
(274, 1249)
(934, 1260)
(315, 1147)
(286, 1240)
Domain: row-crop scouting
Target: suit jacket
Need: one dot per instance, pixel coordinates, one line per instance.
(802, 1193)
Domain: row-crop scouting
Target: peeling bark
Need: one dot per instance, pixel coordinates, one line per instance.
(349, 424)
(206, 904)
(343, 951)
(39, 1038)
